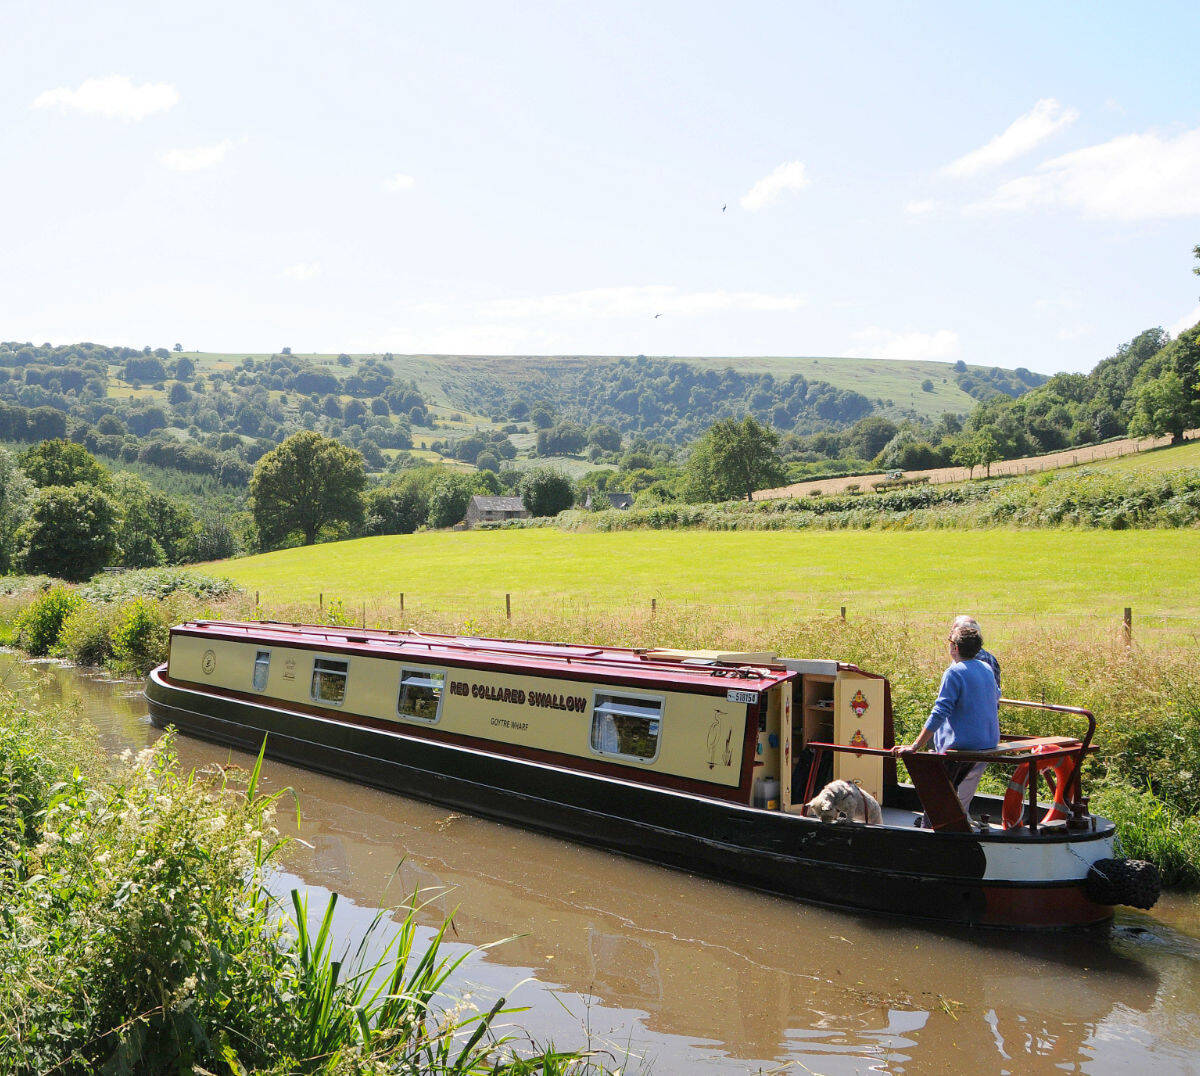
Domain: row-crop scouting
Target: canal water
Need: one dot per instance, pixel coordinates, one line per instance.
(667, 973)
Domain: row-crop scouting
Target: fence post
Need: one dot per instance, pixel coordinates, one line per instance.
(401, 603)
(321, 602)
(1128, 626)
(508, 606)
(843, 614)
(653, 606)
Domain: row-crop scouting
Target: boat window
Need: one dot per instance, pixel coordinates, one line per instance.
(626, 726)
(420, 694)
(262, 665)
(329, 680)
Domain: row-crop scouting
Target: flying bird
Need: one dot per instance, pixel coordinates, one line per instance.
(658, 315)
(723, 205)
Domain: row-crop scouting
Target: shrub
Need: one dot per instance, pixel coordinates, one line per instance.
(86, 636)
(1154, 830)
(156, 583)
(39, 625)
(338, 615)
(140, 636)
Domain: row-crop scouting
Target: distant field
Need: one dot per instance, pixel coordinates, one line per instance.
(1009, 576)
(442, 377)
(1128, 454)
(1159, 459)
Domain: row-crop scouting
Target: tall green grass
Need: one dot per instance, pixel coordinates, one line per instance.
(137, 936)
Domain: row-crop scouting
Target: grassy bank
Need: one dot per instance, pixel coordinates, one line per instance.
(119, 622)
(137, 935)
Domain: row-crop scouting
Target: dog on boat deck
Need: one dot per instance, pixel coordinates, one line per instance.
(840, 798)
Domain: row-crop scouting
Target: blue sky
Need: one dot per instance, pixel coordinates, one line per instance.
(1011, 184)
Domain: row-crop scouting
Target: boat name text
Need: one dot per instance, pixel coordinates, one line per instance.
(546, 700)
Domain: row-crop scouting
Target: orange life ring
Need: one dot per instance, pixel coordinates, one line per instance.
(1063, 767)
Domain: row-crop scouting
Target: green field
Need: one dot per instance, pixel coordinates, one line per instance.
(1156, 460)
(1018, 575)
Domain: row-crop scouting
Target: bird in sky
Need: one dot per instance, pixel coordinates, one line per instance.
(658, 315)
(723, 205)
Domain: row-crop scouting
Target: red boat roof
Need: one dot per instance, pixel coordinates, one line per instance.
(508, 654)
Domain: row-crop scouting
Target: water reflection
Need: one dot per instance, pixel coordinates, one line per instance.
(690, 973)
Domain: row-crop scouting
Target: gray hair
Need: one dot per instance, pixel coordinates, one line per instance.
(970, 623)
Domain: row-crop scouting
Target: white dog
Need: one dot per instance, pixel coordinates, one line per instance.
(844, 798)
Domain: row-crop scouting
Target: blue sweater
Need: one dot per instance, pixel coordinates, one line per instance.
(965, 713)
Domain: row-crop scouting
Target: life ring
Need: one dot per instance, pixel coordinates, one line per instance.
(1063, 767)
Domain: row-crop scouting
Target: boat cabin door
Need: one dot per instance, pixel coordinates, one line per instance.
(858, 721)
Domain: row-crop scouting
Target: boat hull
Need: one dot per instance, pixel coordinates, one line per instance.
(959, 878)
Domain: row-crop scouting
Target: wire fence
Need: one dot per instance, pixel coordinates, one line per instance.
(940, 476)
(1128, 624)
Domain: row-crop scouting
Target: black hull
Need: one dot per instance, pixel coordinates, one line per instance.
(871, 868)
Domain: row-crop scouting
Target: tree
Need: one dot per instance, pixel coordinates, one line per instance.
(987, 448)
(177, 347)
(62, 463)
(546, 491)
(399, 508)
(449, 497)
(1164, 405)
(732, 460)
(868, 437)
(70, 533)
(152, 528)
(16, 493)
(308, 482)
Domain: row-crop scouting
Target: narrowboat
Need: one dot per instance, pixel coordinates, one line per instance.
(699, 760)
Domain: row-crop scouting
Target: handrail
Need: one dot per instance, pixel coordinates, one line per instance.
(1079, 752)
(1078, 711)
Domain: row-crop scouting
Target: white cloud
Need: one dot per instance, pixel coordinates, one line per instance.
(876, 343)
(1185, 322)
(1025, 132)
(196, 158)
(639, 301)
(920, 207)
(1133, 177)
(303, 270)
(787, 177)
(399, 182)
(114, 97)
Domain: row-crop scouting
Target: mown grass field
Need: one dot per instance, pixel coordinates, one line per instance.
(1158, 460)
(1005, 576)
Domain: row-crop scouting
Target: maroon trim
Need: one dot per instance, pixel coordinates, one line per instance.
(1044, 906)
(632, 677)
(937, 794)
(736, 794)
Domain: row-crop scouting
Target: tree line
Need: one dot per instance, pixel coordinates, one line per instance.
(216, 421)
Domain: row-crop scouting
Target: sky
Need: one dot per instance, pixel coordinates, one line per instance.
(1012, 184)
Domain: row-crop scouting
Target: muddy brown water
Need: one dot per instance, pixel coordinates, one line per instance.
(669, 973)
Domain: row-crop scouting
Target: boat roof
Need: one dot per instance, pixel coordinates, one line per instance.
(697, 669)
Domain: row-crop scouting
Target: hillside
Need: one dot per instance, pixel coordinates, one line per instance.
(569, 384)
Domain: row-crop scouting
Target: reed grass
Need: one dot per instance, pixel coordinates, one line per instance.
(137, 935)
